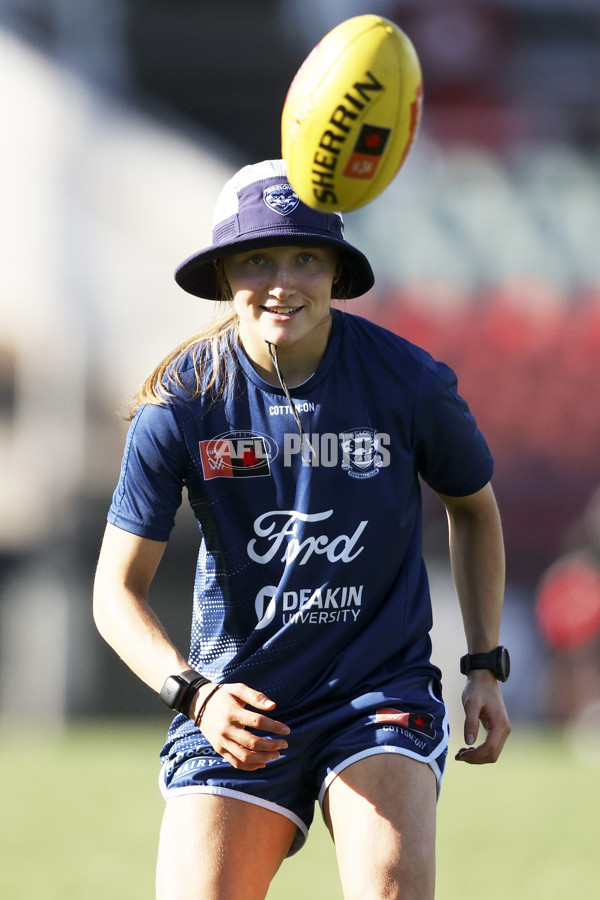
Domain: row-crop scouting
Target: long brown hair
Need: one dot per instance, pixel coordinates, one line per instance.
(207, 347)
(208, 351)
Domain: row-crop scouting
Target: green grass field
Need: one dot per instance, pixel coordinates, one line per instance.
(81, 813)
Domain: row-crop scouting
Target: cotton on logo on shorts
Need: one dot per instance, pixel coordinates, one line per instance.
(421, 722)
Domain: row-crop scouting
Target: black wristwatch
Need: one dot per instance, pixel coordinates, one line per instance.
(498, 662)
(178, 690)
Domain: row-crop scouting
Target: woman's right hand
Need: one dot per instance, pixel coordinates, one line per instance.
(226, 718)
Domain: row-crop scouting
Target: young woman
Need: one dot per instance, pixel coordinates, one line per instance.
(300, 433)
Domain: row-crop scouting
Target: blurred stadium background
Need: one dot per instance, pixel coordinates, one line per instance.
(120, 121)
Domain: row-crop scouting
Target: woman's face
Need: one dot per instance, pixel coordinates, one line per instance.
(282, 295)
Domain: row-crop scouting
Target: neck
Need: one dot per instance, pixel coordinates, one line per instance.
(297, 362)
(293, 372)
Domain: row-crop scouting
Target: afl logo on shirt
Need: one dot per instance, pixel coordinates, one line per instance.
(237, 454)
(364, 452)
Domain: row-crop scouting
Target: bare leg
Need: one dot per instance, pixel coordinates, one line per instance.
(381, 812)
(219, 848)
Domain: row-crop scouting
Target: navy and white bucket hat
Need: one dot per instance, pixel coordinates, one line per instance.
(258, 208)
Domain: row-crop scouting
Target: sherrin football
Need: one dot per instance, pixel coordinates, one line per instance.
(351, 114)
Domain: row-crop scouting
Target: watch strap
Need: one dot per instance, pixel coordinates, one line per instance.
(481, 660)
(189, 695)
(497, 661)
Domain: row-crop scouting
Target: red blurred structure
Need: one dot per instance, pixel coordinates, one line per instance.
(528, 361)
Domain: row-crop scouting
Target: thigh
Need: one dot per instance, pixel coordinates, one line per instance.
(381, 812)
(219, 848)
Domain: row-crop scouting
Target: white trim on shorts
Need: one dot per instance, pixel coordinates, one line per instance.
(430, 760)
(228, 792)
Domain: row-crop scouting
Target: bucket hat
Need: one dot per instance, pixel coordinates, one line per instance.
(258, 208)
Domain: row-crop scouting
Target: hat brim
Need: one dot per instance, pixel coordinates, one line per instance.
(197, 275)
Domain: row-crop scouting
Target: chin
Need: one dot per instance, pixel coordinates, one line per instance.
(282, 337)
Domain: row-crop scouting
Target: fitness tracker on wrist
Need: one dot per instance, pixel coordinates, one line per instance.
(498, 662)
(178, 690)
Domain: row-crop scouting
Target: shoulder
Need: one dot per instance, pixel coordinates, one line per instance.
(383, 347)
(154, 425)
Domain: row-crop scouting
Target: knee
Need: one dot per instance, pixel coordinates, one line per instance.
(394, 889)
(408, 876)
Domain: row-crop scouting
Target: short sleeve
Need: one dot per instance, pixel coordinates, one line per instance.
(153, 471)
(451, 454)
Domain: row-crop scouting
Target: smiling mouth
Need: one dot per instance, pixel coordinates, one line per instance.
(282, 310)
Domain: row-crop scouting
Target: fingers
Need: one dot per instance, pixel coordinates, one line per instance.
(471, 729)
(246, 697)
(488, 751)
(249, 752)
(230, 721)
(484, 704)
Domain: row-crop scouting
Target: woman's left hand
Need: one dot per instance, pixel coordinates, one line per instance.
(483, 703)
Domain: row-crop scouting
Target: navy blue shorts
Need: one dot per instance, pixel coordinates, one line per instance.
(407, 717)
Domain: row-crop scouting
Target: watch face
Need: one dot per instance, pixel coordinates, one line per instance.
(503, 663)
(172, 691)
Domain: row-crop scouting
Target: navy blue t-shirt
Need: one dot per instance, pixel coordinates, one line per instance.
(310, 583)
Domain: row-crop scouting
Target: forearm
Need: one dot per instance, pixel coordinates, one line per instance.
(126, 567)
(477, 556)
(478, 566)
(131, 628)
(122, 613)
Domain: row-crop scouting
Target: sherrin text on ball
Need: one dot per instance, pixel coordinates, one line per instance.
(351, 114)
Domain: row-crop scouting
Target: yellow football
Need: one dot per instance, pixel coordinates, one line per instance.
(351, 114)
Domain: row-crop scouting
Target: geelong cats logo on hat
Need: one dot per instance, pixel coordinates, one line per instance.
(281, 199)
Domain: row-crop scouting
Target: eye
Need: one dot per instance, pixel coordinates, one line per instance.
(255, 260)
(306, 257)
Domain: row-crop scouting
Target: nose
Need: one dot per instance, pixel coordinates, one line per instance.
(283, 283)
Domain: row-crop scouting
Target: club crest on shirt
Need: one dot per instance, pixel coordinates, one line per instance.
(281, 199)
(237, 454)
(363, 452)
